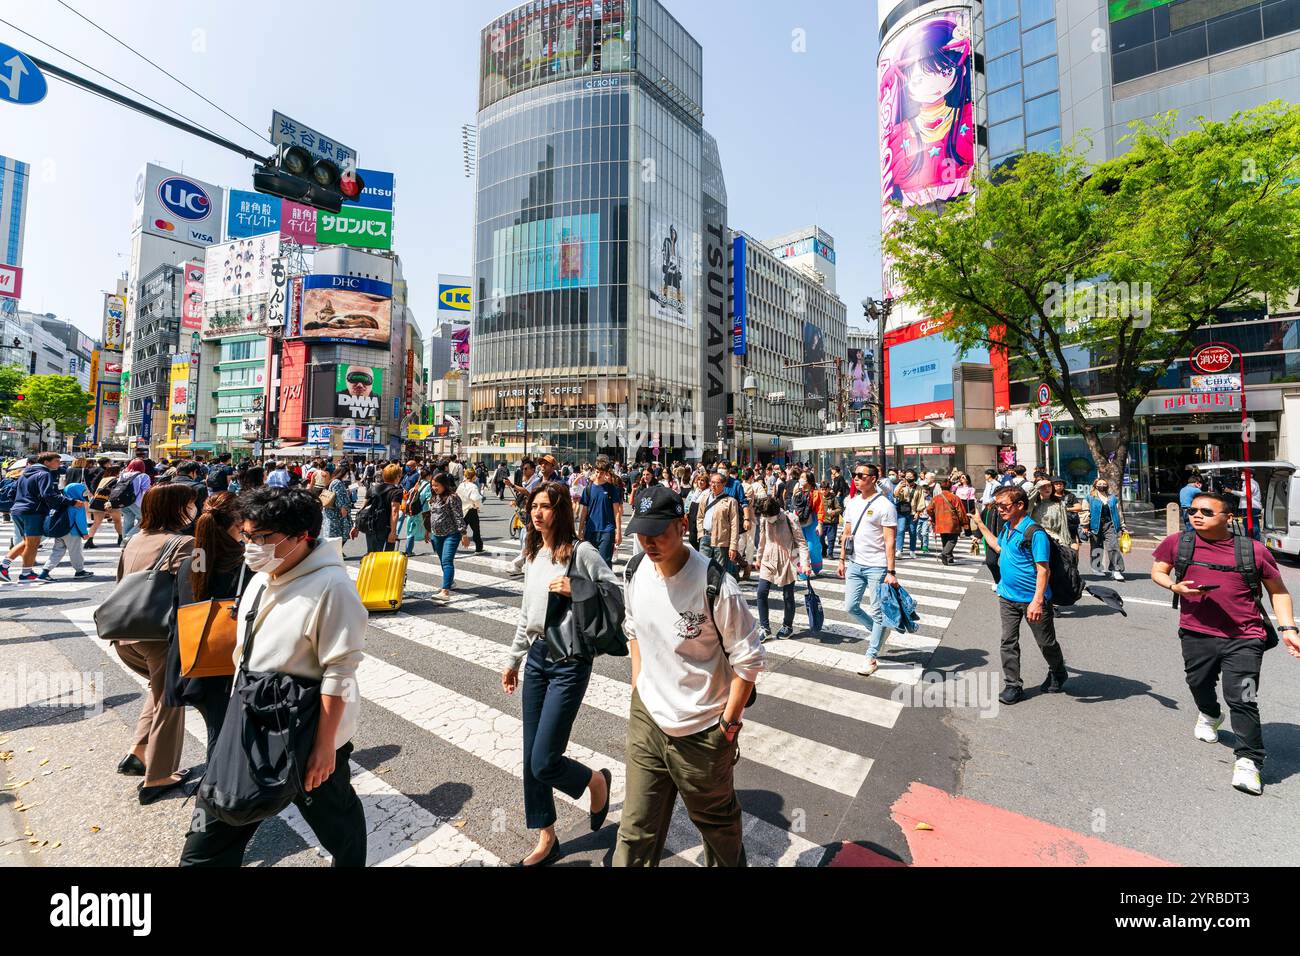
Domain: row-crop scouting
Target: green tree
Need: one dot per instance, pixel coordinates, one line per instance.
(11, 383)
(54, 404)
(1045, 255)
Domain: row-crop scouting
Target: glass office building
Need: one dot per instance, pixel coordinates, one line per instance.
(588, 298)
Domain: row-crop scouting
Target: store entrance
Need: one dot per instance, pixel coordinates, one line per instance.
(1174, 456)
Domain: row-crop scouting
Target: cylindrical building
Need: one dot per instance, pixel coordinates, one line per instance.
(589, 328)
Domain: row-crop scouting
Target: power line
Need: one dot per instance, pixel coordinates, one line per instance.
(123, 43)
(111, 79)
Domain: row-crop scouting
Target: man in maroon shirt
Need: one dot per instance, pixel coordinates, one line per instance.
(1223, 630)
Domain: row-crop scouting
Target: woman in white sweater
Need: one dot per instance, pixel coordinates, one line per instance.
(553, 690)
(471, 500)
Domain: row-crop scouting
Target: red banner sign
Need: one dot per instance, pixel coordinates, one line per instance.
(1211, 358)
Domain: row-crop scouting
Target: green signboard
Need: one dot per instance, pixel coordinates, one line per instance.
(1121, 9)
(356, 226)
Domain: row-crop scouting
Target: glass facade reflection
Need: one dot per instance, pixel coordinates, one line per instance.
(587, 226)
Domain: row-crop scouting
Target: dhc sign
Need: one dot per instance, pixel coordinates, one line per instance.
(184, 199)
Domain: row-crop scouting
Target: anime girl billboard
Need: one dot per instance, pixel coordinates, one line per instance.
(927, 126)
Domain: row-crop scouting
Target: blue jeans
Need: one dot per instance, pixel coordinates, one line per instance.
(130, 518)
(906, 528)
(860, 580)
(604, 542)
(921, 528)
(445, 546)
(787, 597)
(829, 530)
(552, 697)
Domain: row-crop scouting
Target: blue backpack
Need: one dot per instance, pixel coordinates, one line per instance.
(58, 522)
(8, 493)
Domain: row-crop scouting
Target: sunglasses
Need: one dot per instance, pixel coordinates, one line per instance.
(862, 474)
(1206, 512)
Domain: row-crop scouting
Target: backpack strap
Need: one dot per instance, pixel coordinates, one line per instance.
(1183, 559)
(1245, 558)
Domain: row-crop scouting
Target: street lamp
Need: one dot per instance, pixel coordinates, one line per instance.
(878, 310)
(722, 432)
(750, 389)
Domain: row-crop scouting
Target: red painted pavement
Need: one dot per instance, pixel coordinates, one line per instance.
(969, 833)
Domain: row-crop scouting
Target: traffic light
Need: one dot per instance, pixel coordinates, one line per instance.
(297, 175)
(865, 421)
(11, 397)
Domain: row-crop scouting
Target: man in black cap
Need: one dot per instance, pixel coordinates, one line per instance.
(695, 657)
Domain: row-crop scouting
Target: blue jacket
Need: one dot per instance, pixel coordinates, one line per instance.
(898, 608)
(736, 488)
(1094, 514)
(37, 491)
(77, 492)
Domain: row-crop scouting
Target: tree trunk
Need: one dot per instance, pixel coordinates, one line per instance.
(1109, 467)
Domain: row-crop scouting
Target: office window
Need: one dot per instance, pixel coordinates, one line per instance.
(995, 11)
(1041, 78)
(1003, 71)
(1043, 112)
(1002, 39)
(1034, 12)
(1006, 138)
(1039, 42)
(1005, 104)
(1048, 141)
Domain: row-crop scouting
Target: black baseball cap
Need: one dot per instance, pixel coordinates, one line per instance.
(657, 508)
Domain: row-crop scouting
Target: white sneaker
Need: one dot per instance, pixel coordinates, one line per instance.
(1245, 777)
(1116, 576)
(869, 668)
(1207, 728)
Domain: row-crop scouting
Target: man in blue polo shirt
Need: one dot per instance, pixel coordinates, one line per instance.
(1023, 592)
(600, 511)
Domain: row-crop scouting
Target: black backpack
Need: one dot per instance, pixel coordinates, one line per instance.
(1063, 576)
(802, 507)
(123, 493)
(365, 518)
(716, 575)
(1243, 549)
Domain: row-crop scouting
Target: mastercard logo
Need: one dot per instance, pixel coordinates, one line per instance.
(163, 224)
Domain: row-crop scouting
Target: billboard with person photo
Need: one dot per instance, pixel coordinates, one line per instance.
(358, 390)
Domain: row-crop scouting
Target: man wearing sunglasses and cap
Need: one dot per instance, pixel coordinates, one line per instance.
(695, 657)
(1218, 578)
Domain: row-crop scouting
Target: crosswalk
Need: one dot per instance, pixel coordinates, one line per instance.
(431, 680)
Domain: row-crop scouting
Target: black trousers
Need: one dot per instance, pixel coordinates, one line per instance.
(1238, 659)
(949, 543)
(787, 597)
(334, 815)
(471, 520)
(1044, 631)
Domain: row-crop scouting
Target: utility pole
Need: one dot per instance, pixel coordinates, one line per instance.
(879, 309)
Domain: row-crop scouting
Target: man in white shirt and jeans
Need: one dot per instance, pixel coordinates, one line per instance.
(871, 522)
(693, 670)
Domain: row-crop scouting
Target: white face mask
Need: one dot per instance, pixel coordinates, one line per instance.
(262, 557)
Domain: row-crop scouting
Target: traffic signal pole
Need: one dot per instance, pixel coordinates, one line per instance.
(149, 111)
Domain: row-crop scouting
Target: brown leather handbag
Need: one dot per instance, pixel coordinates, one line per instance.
(207, 631)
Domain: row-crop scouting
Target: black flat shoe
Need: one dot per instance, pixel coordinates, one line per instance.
(148, 795)
(547, 860)
(132, 766)
(598, 816)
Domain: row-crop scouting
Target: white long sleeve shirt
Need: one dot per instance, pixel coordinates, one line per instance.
(685, 675)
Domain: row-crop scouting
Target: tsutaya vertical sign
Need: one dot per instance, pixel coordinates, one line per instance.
(716, 324)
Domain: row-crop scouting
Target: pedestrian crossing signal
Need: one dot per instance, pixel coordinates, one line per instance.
(865, 422)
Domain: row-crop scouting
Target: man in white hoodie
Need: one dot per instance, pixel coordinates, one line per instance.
(310, 623)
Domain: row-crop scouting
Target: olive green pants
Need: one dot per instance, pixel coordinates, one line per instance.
(659, 767)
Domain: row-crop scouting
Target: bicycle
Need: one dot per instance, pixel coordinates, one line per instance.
(517, 523)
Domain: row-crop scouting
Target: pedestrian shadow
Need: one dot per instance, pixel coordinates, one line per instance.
(954, 660)
(1094, 687)
(48, 715)
(1283, 743)
(28, 601)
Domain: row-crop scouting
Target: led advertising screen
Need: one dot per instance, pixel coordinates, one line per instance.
(919, 365)
(460, 348)
(814, 379)
(559, 253)
(192, 302)
(358, 390)
(1122, 9)
(861, 381)
(668, 276)
(926, 122)
(347, 309)
(549, 41)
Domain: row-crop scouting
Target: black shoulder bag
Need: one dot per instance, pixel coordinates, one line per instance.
(258, 762)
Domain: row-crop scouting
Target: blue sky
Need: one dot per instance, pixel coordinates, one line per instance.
(395, 80)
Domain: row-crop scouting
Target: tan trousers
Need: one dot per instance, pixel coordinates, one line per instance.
(160, 729)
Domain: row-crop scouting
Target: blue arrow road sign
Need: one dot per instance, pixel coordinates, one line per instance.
(1045, 431)
(20, 80)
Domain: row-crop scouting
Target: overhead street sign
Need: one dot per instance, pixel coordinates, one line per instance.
(21, 81)
(288, 131)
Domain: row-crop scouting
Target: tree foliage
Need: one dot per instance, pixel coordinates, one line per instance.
(1075, 266)
(54, 404)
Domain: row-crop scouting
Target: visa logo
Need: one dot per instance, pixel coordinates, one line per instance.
(456, 297)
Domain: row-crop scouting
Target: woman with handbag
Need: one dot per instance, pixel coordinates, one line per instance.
(337, 502)
(553, 689)
(159, 544)
(782, 553)
(415, 522)
(221, 579)
(446, 525)
(832, 509)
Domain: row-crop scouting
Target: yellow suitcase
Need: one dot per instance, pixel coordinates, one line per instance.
(382, 580)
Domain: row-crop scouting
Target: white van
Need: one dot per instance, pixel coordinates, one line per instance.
(1279, 483)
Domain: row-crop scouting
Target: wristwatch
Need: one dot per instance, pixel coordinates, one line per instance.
(1289, 627)
(730, 727)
